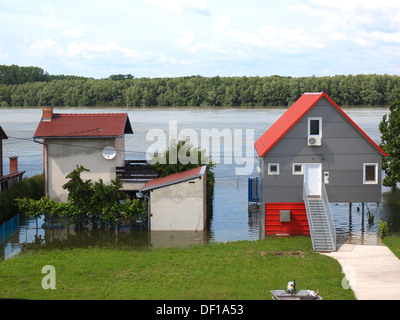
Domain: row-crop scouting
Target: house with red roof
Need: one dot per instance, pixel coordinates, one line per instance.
(95, 141)
(312, 155)
(178, 202)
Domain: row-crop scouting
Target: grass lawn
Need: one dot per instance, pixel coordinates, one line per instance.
(243, 270)
(393, 243)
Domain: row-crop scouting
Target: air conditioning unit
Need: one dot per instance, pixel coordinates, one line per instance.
(314, 141)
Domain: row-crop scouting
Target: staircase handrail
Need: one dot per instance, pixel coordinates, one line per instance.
(331, 223)
(310, 224)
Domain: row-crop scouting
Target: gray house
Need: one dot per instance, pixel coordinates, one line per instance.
(312, 155)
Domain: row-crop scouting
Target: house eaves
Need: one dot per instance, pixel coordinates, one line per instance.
(175, 178)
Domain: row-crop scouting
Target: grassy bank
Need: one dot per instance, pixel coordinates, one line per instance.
(238, 270)
(393, 242)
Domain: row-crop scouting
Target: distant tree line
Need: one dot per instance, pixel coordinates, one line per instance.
(24, 88)
(14, 74)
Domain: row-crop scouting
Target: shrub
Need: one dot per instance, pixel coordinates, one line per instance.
(32, 188)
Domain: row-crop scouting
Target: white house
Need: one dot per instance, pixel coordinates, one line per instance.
(95, 141)
(178, 202)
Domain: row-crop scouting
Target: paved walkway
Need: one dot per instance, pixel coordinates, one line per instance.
(372, 271)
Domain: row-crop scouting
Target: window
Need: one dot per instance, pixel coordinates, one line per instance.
(370, 173)
(297, 169)
(273, 168)
(315, 127)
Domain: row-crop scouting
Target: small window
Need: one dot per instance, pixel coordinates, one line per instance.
(370, 173)
(273, 168)
(315, 127)
(297, 169)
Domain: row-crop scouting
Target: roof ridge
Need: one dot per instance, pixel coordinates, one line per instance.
(92, 114)
(80, 124)
(314, 93)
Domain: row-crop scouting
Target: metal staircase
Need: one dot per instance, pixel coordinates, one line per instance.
(322, 228)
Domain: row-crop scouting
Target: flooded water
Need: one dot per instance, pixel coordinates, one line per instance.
(232, 218)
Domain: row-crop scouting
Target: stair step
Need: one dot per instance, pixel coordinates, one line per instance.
(321, 236)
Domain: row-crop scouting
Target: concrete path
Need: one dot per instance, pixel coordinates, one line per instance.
(372, 271)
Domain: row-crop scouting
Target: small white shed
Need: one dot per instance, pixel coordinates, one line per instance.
(178, 202)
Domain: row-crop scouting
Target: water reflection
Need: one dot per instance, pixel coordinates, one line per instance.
(390, 212)
(350, 227)
(31, 236)
(232, 218)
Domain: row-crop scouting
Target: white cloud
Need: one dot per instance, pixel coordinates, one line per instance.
(221, 25)
(49, 20)
(44, 47)
(351, 5)
(73, 33)
(280, 39)
(89, 50)
(361, 22)
(232, 43)
(161, 58)
(390, 38)
(112, 53)
(160, 37)
(197, 6)
(3, 55)
(186, 39)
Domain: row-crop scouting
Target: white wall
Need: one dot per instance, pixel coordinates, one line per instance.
(63, 155)
(179, 207)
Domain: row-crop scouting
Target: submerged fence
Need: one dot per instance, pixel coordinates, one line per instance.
(253, 191)
(8, 228)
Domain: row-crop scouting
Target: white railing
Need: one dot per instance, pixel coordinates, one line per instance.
(331, 224)
(329, 216)
(308, 211)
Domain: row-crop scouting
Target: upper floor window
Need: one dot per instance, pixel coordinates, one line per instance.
(315, 126)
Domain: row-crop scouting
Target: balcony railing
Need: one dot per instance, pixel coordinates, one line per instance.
(136, 171)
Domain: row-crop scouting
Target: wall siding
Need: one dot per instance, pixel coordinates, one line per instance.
(298, 224)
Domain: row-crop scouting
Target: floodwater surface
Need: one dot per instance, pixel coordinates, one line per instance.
(232, 218)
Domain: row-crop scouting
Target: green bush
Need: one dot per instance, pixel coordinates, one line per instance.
(32, 188)
(88, 202)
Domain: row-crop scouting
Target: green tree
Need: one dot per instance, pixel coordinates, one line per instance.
(170, 162)
(87, 202)
(390, 137)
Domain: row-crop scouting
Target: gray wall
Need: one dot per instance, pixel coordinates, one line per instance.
(343, 152)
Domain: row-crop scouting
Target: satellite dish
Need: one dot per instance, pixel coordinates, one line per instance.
(109, 153)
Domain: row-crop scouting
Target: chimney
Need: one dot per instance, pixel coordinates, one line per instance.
(47, 113)
(13, 164)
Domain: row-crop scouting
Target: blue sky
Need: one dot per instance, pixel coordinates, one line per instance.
(169, 38)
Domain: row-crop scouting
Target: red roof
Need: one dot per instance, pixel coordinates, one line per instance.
(292, 116)
(174, 178)
(84, 125)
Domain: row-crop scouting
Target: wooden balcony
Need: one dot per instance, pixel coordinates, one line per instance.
(136, 171)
